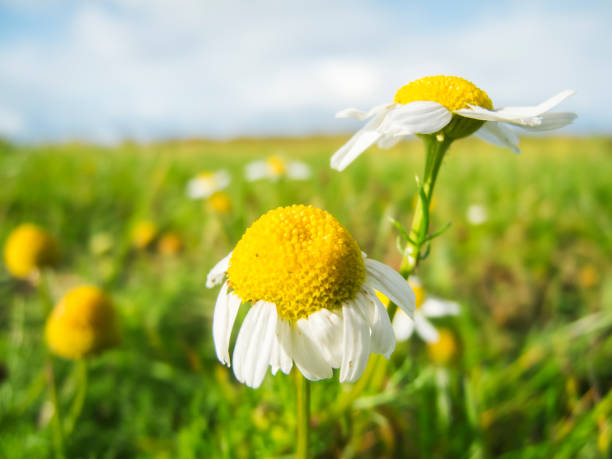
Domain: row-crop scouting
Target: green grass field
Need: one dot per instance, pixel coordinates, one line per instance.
(532, 377)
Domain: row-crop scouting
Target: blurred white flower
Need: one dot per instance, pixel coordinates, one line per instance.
(477, 214)
(275, 167)
(426, 308)
(206, 183)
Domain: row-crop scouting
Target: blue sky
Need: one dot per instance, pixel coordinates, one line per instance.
(151, 69)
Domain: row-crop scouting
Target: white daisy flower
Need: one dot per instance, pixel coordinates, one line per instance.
(312, 299)
(477, 214)
(275, 167)
(451, 107)
(426, 308)
(206, 183)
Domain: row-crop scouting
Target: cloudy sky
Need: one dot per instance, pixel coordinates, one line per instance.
(151, 69)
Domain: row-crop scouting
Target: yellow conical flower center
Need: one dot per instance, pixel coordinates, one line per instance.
(451, 91)
(29, 248)
(443, 350)
(419, 293)
(300, 258)
(277, 165)
(220, 202)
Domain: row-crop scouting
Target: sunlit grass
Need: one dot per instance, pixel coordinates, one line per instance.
(532, 374)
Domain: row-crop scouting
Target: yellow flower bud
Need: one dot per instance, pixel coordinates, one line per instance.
(443, 350)
(82, 324)
(29, 248)
(169, 244)
(219, 202)
(143, 234)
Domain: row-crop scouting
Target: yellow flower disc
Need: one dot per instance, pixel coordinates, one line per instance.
(453, 92)
(277, 165)
(300, 258)
(83, 323)
(169, 244)
(29, 248)
(417, 288)
(443, 350)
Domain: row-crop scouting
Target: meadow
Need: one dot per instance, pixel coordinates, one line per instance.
(530, 376)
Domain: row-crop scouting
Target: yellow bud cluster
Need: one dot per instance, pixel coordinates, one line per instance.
(83, 323)
(300, 258)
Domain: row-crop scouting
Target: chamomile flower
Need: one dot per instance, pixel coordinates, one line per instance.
(477, 214)
(450, 107)
(207, 183)
(82, 324)
(426, 308)
(275, 167)
(312, 299)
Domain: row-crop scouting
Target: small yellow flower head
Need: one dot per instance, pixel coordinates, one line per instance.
(220, 203)
(300, 258)
(169, 244)
(588, 276)
(82, 324)
(443, 350)
(143, 234)
(277, 165)
(29, 248)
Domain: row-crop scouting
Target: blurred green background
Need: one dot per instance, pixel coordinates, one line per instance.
(532, 375)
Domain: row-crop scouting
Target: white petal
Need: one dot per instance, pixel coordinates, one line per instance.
(254, 344)
(307, 356)
(361, 115)
(434, 307)
(403, 326)
(425, 329)
(280, 359)
(416, 118)
(222, 179)
(324, 329)
(224, 315)
(256, 170)
(357, 144)
(388, 141)
(386, 280)
(523, 116)
(383, 338)
(217, 274)
(500, 135)
(356, 343)
(298, 171)
(553, 120)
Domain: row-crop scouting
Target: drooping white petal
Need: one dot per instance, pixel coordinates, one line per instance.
(421, 117)
(382, 336)
(361, 115)
(307, 356)
(357, 144)
(388, 141)
(224, 315)
(324, 329)
(256, 170)
(434, 307)
(389, 282)
(522, 116)
(552, 120)
(500, 135)
(403, 326)
(280, 359)
(425, 329)
(217, 274)
(298, 171)
(356, 343)
(254, 344)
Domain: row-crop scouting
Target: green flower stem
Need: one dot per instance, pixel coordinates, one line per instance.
(303, 415)
(79, 398)
(435, 146)
(58, 433)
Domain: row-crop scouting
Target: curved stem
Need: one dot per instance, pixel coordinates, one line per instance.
(303, 415)
(79, 398)
(435, 146)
